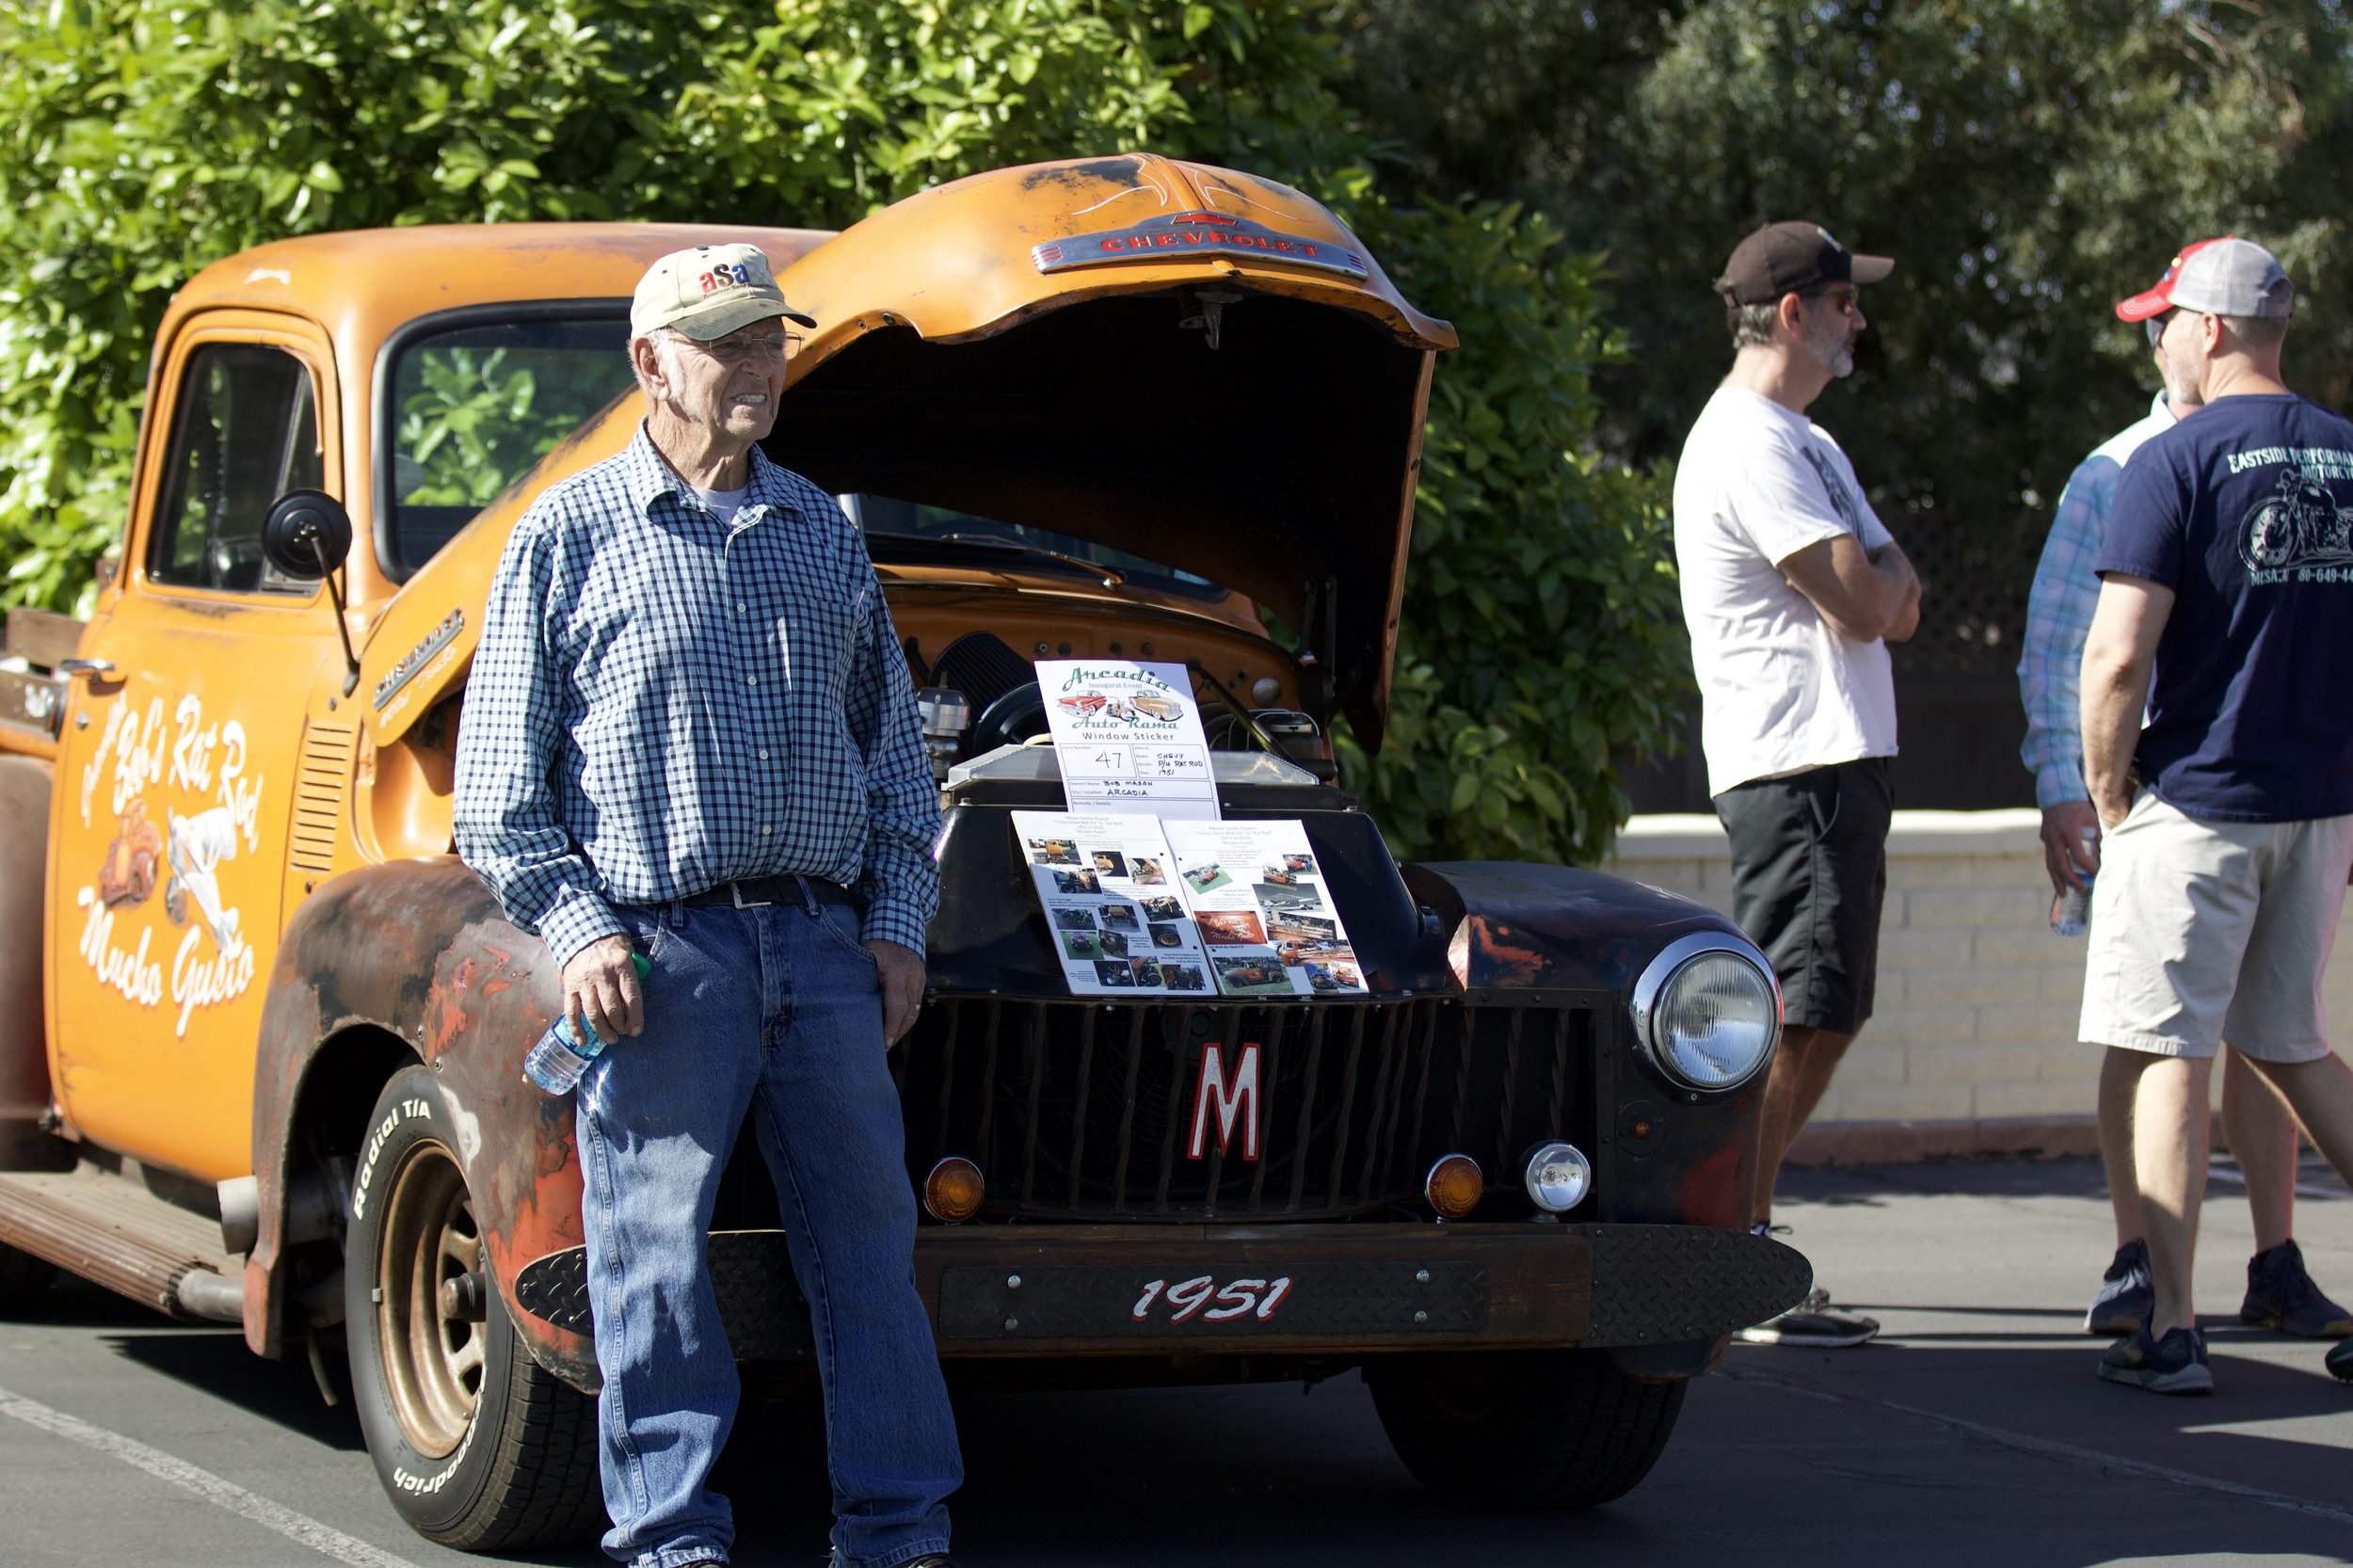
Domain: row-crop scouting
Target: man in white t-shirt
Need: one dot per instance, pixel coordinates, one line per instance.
(1792, 589)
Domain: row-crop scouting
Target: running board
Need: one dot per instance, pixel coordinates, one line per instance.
(112, 1231)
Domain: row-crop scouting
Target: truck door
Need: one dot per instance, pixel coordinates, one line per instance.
(180, 759)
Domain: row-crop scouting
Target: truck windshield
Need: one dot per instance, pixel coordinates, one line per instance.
(474, 405)
(910, 531)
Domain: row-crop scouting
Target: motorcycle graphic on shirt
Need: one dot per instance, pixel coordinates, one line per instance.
(2298, 525)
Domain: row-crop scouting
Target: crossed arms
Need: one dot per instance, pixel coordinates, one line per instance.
(1867, 595)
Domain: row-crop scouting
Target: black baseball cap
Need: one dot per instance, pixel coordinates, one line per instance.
(1791, 258)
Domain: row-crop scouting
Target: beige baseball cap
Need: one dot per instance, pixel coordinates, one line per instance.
(709, 292)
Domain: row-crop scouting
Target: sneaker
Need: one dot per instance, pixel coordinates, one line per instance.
(2340, 1360)
(2173, 1365)
(2281, 1295)
(2127, 1296)
(1812, 1322)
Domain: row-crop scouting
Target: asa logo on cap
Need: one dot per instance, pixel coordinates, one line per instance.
(726, 275)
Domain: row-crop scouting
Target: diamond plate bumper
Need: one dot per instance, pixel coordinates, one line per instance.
(1030, 1291)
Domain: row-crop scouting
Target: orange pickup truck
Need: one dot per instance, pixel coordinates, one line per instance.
(261, 1032)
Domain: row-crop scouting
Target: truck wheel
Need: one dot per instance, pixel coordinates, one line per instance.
(479, 1447)
(23, 1280)
(1530, 1429)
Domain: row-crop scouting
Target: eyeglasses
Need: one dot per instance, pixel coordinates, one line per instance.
(2155, 326)
(738, 347)
(1842, 300)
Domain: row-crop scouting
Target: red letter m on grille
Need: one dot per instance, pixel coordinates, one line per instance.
(1235, 1102)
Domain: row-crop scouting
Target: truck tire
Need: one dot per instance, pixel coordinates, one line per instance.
(1523, 1429)
(23, 1279)
(479, 1447)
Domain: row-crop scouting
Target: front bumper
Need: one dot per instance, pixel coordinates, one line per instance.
(1080, 1290)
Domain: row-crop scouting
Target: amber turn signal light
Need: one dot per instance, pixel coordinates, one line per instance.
(953, 1190)
(1454, 1186)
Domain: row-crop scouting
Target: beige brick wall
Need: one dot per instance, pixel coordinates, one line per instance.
(1977, 1000)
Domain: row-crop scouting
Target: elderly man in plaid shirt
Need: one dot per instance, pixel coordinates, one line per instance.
(2259, 1128)
(689, 735)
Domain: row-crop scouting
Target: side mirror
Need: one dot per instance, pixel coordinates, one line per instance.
(306, 534)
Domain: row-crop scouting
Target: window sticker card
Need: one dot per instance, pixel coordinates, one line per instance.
(1260, 905)
(1127, 737)
(1118, 926)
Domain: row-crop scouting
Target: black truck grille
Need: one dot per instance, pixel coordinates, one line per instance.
(1082, 1110)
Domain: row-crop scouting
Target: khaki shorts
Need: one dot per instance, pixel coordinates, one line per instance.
(2204, 931)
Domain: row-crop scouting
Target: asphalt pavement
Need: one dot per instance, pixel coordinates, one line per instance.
(1974, 1431)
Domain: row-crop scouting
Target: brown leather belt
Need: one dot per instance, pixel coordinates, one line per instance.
(792, 888)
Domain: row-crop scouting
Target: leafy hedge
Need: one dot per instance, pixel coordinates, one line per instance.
(141, 139)
(1542, 643)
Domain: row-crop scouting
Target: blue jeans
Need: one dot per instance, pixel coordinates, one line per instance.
(775, 1009)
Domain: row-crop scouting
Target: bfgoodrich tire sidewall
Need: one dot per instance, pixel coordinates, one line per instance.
(434, 1496)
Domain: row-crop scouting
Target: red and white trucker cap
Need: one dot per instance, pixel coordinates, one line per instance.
(709, 292)
(2224, 277)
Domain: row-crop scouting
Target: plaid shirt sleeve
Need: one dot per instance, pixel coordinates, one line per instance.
(2059, 618)
(900, 880)
(508, 823)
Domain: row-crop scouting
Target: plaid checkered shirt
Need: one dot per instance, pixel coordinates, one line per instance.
(2058, 613)
(662, 703)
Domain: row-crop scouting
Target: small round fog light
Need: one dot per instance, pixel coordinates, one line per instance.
(1559, 1176)
(953, 1190)
(1454, 1186)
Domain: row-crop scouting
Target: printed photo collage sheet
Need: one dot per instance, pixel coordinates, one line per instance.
(1232, 908)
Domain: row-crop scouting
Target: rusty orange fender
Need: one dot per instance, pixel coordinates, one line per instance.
(1666, 1155)
(415, 954)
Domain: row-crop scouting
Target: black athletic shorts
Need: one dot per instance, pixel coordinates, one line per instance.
(1809, 873)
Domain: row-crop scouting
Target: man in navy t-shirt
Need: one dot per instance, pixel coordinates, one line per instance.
(2227, 573)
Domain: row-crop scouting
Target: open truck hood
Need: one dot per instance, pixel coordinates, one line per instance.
(1199, 366)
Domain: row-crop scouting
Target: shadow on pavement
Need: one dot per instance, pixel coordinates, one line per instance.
(1950, 1445)
(2066, 1177)
(212, 1360)
(1776, 1462)
(216, 1362)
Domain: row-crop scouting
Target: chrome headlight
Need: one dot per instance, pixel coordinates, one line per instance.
(1558, 1177)
(1705, 1012)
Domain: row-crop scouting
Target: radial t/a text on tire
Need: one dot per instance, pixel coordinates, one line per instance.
(479, 1447)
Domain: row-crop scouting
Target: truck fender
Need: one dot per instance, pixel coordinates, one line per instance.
(1519, 927)
(1667, 1156)
(417, 959)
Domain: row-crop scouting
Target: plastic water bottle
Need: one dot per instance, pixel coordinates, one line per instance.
(2070, 912)
(557, 1061)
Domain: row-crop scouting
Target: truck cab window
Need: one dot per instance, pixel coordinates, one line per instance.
(473, 406)
(246, 432)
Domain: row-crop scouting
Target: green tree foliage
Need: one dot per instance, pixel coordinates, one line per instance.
(1540, 644)
(481, 416)
(141, 139)
(2028, 163)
